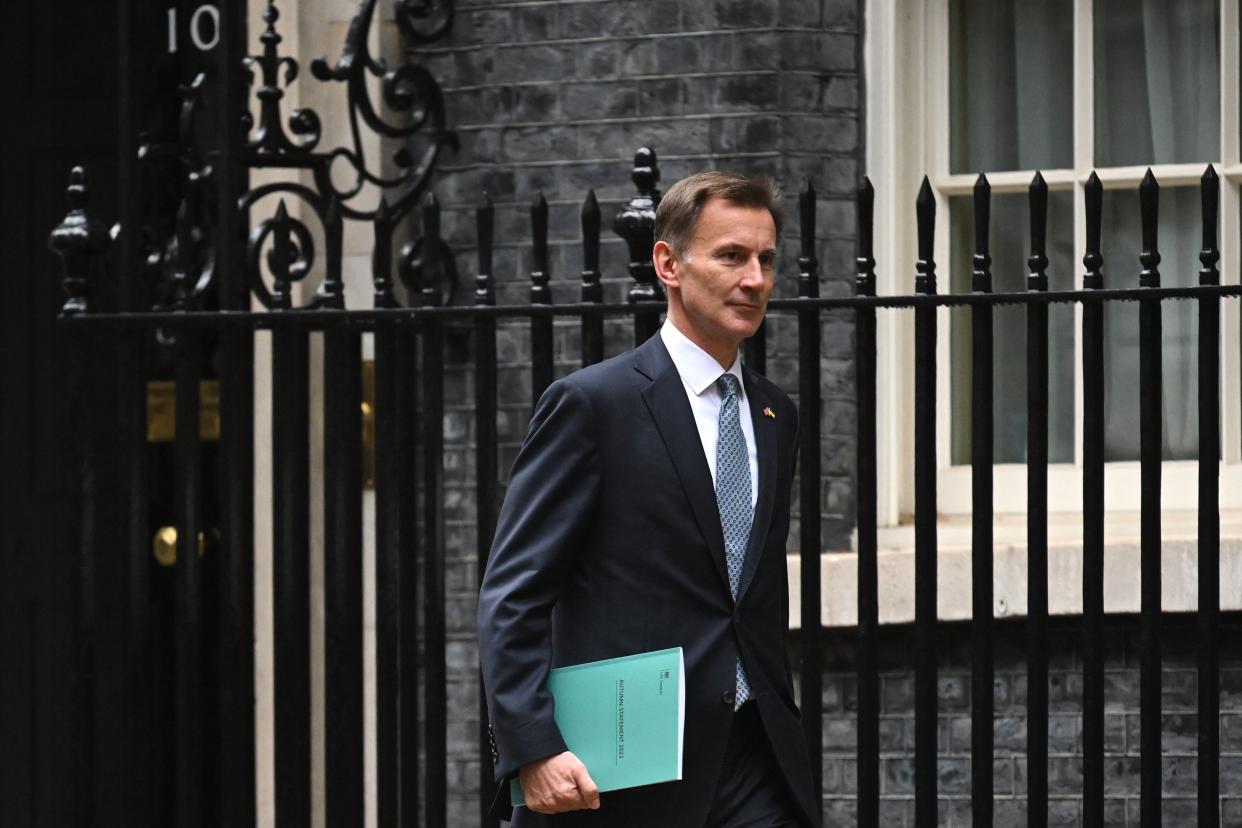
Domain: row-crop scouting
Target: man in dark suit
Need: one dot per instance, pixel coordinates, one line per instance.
(649, 508)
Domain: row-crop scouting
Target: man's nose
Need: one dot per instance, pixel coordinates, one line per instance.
(752, 274)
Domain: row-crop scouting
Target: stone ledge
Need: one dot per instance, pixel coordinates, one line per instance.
(1179, 578)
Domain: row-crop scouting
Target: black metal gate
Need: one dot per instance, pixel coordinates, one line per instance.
(211, 270)
(409, 343)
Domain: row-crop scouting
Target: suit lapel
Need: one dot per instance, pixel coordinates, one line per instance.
(666, 400)
(765, 446)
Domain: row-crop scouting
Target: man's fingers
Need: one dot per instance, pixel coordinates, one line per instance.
(587, 789)
(557, 784)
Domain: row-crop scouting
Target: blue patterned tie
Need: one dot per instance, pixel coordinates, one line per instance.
(733, 497)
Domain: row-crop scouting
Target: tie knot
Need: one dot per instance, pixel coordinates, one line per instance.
(727, 385)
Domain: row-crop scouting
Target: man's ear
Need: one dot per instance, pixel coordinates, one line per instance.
(665, 261)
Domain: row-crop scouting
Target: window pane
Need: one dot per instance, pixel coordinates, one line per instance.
(1011, 84)
(1157, 81)
(1179, 253)
(1011, 244)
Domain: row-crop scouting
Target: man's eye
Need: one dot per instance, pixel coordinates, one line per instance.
(729, 255)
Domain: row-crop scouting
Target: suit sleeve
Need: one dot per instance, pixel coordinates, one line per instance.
(547, 511)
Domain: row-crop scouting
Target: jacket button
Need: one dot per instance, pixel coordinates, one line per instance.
(728, 697)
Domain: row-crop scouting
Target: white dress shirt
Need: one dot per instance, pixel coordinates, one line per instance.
(699, 371)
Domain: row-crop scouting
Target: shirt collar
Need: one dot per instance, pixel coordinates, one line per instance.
(698, 369)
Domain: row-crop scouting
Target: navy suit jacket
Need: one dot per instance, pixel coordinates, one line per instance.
(609, 543)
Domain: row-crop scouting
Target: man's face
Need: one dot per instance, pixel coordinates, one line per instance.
(723, 280)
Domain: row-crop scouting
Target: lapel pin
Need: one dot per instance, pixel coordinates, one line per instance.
(767, 412)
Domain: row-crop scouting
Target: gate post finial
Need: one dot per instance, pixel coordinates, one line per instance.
(636, 224)
(79, 240)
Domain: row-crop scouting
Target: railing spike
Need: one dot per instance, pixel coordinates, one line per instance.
(484, 221)
(866, 219)
(1149, 211)
(1038, 195)
(431, 264)
(540, 292)
(1093, 260)
(981, 277)
(592, 290)
(590, 232)
(590, 204)
(1093, 195)
(865, 279)
(279, 258)
(925, 210)
(1209, 192)
(808, 263)
(1038, 261)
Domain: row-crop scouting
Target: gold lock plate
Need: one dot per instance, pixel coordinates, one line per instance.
(162, 416)
(162, 410)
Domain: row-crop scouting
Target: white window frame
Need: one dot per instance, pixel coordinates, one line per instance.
(906, 60)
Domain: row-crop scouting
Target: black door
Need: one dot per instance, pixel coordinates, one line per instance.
(86, 83)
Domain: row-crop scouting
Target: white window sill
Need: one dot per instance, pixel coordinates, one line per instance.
(1179, 569)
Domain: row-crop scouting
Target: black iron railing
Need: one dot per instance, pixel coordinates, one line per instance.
(409, 347)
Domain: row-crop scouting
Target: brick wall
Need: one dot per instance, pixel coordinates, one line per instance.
(1121, 725)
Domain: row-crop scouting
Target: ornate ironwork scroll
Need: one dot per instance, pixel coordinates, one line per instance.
(345, 179)
(303, 122)
(305, 216)
(179, 245)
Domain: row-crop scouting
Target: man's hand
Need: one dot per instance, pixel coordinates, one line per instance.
(557, 784)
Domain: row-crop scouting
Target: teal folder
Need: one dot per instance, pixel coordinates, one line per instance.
(623, 717)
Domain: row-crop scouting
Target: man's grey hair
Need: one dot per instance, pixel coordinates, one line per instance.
(678, 212)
